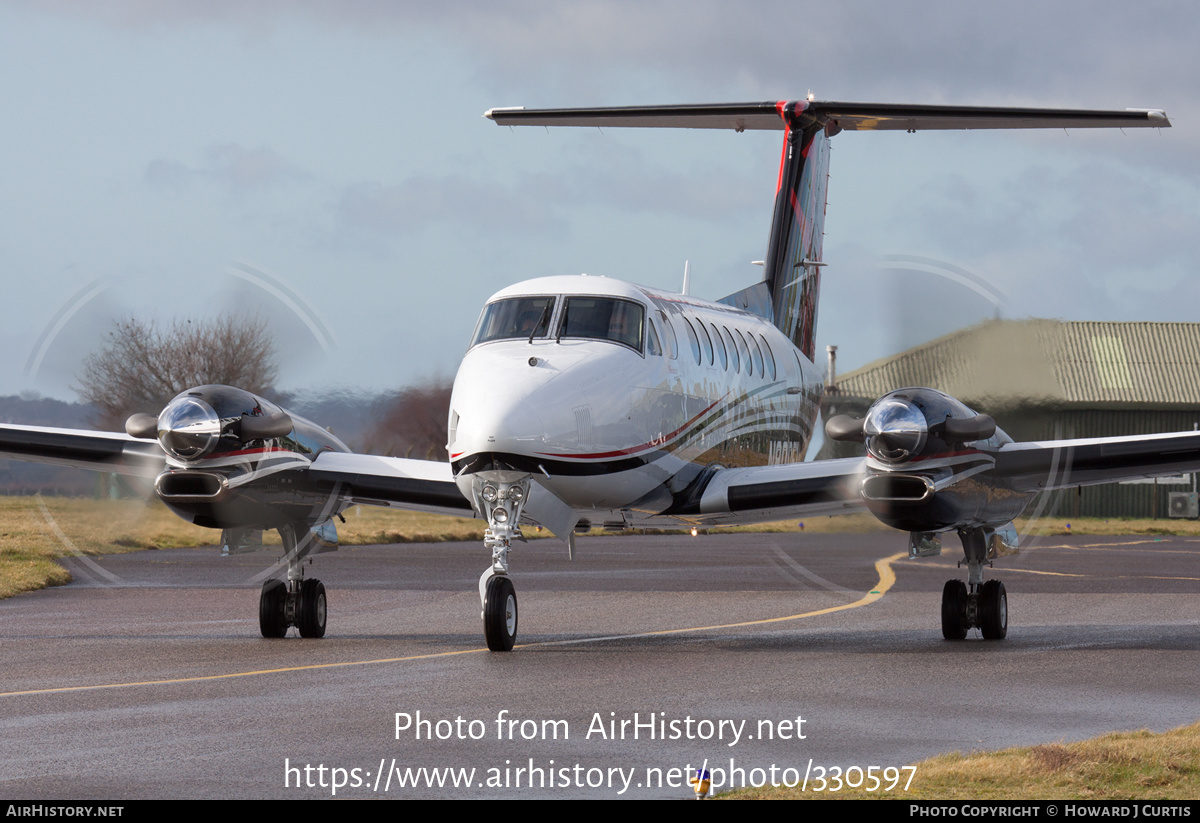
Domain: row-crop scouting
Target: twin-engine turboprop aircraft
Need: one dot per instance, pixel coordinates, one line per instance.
(589, 401)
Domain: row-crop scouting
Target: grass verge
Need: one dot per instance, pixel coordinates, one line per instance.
(1116, 766)
(36, 530)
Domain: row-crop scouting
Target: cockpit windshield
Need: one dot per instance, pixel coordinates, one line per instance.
(514, 318)
(604, 318)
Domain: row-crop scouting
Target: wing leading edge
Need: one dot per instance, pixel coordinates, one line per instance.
(1060, 464)
(829, 487)
(395, 482)
(758, 494)
(95, 450)
(419, 485)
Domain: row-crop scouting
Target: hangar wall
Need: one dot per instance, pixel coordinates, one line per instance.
(1049, 380)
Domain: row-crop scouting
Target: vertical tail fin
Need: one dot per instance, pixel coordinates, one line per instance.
(789, 293)
(793, 263)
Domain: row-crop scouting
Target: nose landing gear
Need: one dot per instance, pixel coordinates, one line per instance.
(502, 502)
(500, 613)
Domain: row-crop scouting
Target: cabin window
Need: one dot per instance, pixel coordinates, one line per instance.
(769, 356)
(719, 347)
(514, 318)
(604, 318)
(732, 347)
(669, 336)
(692, 338)
(744, 351)
(756, 355)
(652, 345)
(705, 342)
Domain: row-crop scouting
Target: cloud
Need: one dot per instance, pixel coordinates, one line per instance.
(1025, 50)
(422, 201)
(228, 164)
(540, 203)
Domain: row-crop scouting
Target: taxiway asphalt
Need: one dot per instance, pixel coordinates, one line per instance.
(147, 677)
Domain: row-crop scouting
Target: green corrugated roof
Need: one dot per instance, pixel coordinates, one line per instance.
(1048, 362)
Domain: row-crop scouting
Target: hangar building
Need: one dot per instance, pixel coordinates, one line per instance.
(1050, 380)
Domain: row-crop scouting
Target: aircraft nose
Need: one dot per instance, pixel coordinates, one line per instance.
(896, 430)
(500, 425)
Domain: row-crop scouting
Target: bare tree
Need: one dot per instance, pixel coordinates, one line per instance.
(142, 366)
(413, 423)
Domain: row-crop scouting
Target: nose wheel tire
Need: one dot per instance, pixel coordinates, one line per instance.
(993, 610)
(500, 614)
(312, 609)
(272, 620)
(954, 610)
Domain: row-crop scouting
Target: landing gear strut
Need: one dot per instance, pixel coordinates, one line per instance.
(298, 602)
(976, 604)
(501, 499)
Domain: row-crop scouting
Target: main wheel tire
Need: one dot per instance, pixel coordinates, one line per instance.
(954, 610)
(993, 610)
(500, 614)
(272, 621)
(312, 609)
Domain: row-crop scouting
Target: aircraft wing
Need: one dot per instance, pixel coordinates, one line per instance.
(1059, 464)
(420, 485)
(844, 116)
(757, 494)
(96, 450)
(732, 496)
(828, 487)
(396, 482)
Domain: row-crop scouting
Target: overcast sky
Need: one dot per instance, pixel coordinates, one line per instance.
(326, 166)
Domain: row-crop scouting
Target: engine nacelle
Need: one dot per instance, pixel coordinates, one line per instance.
(219, 438)
(929, 461)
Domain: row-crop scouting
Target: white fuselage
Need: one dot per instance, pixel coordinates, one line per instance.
(626, 422)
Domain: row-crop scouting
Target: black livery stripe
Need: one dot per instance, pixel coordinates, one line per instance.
(404, 490)
(785, 493)
(504, 461)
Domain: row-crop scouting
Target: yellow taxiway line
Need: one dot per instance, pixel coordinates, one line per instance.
(887, 578)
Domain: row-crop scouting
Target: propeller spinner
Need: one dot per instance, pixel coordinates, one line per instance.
(193, 424)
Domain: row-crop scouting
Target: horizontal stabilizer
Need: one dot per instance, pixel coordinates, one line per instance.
(838, 116)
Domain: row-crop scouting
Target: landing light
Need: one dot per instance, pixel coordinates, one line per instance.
(515, 494)
(489, 493)
(500, 514)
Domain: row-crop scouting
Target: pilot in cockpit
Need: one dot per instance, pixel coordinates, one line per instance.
(527, 322)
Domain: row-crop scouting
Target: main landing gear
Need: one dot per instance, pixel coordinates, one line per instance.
(282, 605)
(501, 499)
(976, 604)
(298, 602)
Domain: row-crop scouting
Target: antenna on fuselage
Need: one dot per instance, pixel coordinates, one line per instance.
(687, 277)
